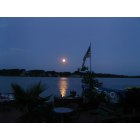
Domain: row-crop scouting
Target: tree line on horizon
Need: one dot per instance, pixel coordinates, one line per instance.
(43, 73)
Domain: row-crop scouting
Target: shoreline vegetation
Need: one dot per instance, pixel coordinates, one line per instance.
(29, 107)
(93, 107)
(43, 73)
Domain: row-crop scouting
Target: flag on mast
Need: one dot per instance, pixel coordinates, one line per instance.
(87, 55)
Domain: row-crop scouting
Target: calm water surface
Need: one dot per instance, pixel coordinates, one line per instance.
(120, 83)
(54, 85)
(63, 86)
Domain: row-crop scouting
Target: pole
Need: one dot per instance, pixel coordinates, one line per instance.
(90, 57)
(90, 70)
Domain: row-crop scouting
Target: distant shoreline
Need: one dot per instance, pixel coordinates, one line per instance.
(64, 76)
(42, 73)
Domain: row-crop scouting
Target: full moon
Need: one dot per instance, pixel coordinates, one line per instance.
(64, 60)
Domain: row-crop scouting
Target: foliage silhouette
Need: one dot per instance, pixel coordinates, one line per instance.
(34, 107)
(92, 99)
(131, 100)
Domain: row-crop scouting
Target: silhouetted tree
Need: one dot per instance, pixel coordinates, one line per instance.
(36, 73)
(131, 100)
(27, 100)
(89, 84)
(11, 72)
(34, 107)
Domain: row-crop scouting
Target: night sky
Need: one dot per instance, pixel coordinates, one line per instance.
(41, 43)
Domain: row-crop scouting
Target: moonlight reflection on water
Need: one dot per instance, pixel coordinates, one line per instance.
(63, 86)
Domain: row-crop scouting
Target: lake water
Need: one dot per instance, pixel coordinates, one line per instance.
(120, 83)
(53, 85)
(63, 86)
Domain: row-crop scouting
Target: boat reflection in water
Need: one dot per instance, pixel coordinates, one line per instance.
(63, 86)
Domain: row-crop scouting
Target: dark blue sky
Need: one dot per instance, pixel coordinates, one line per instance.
(40, 43)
